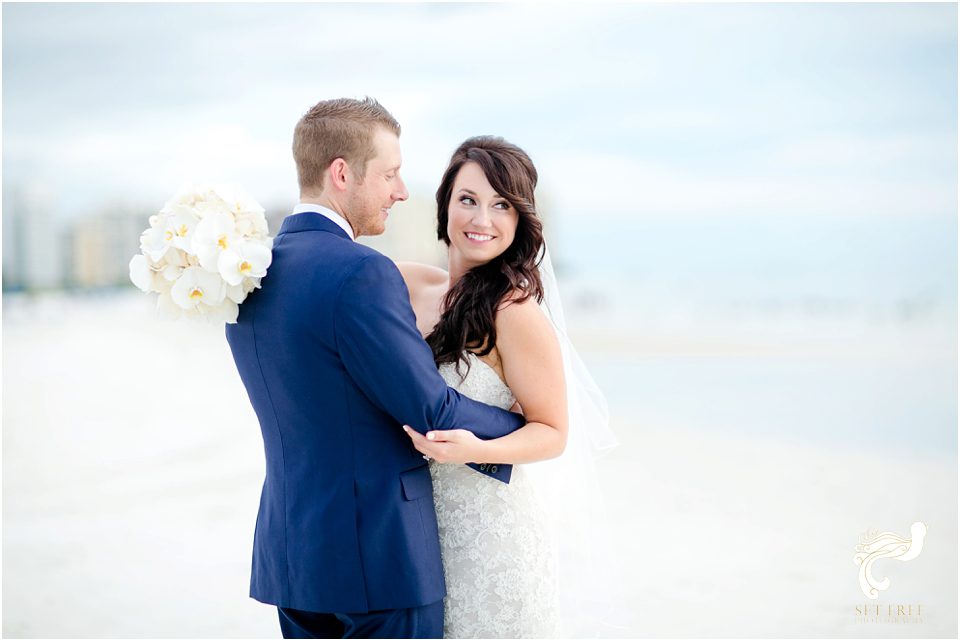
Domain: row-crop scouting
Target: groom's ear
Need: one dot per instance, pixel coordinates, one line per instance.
(338, 173)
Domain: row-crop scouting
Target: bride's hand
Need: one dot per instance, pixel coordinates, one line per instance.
(447, 446)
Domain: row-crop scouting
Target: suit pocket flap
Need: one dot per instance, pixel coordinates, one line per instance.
(416, 483)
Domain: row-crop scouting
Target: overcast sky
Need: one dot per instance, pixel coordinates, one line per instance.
(637, 110)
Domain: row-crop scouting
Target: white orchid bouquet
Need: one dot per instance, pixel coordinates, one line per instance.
(203, 253)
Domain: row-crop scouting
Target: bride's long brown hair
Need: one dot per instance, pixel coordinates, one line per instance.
(470, 307)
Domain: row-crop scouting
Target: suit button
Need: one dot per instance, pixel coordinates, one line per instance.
(493, 468)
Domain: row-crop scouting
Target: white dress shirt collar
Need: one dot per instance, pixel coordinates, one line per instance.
(329, 213)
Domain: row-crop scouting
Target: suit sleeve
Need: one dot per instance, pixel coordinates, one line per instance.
(385, 355)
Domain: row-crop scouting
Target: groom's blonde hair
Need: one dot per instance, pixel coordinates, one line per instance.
(340, 128)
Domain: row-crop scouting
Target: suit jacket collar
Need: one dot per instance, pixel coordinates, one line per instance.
(311, 221)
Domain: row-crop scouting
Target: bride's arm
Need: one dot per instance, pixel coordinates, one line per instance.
(533, 369)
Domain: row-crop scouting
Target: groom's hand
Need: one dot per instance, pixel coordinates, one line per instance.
(448, 446)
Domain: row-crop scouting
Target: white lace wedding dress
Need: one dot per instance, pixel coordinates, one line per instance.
(498, 557)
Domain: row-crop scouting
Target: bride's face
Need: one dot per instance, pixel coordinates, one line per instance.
(481, 224)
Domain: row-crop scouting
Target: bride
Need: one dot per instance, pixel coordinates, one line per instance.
(493, 339)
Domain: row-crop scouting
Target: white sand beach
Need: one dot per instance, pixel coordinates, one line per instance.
(132, 466)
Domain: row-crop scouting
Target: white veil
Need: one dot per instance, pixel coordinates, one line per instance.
(571, 491)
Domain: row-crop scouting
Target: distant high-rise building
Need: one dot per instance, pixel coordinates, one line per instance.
(411, 234)
(102, 244)
(32, 239)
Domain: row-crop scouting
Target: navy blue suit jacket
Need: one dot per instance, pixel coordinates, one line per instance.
(330, 355)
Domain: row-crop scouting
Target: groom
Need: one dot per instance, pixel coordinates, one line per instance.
(346, 543)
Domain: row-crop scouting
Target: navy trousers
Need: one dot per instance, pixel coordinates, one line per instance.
(424, 622)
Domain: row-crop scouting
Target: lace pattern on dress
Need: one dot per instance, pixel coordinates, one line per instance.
(498, 557)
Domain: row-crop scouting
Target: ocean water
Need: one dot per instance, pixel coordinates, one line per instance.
(902, 407)
(835, 265)
(835, 332)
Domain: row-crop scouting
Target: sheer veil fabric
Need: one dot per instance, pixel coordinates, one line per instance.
(570, 488)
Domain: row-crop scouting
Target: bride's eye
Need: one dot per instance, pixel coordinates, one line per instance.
(503, 205)
(467, 200)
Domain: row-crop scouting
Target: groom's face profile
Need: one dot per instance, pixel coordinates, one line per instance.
(370, 198)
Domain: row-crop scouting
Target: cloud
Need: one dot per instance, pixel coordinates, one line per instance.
(706, 107)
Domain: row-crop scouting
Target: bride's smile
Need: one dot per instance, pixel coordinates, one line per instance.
(482, 223)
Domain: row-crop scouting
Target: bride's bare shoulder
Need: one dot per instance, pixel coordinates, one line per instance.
(418, 275)
(517, 309)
